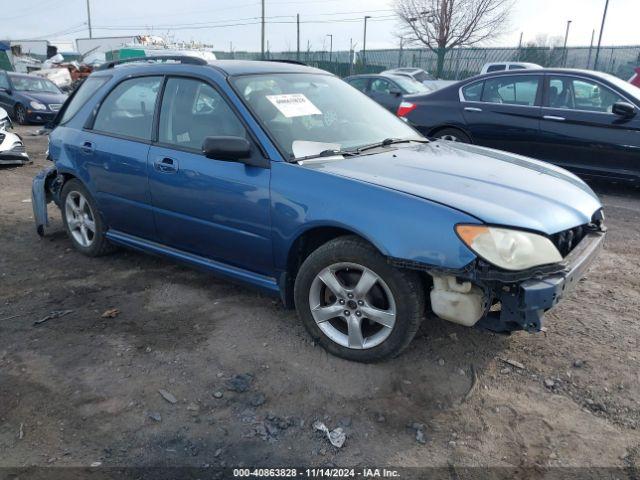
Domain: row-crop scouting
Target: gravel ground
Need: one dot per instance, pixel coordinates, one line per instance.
(245, 384)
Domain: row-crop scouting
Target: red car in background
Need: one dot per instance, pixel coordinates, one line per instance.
(635, 80)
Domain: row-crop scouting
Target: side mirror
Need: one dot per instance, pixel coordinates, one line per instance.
(623, 109)
(396, 93)
(234, 149)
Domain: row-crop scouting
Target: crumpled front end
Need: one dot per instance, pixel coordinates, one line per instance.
(45, 188)
(12, 150)
(484, 296)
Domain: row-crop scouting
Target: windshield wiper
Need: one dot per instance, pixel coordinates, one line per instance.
(325, 153)
(390, 141)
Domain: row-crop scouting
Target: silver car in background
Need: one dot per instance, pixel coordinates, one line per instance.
(12, 151)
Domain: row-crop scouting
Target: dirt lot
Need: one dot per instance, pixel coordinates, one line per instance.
(81, 388)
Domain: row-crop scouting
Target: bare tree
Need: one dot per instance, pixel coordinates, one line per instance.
(441, 25)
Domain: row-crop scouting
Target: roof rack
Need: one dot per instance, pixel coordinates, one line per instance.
(177, 58)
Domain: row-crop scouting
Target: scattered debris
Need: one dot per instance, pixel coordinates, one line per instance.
(419, 429)
(96, 464)
(217, 394)
(193, 407)
(11, 317)
(21, 431)
(513, 363)
(474, 383)
(505, 371)
(52, 315)
(154, 416)
(380, 418)
(578, 364)
(549, 383)
(335, 436)
(453, 336)
(168, 396)
(239, 383)
(26, 200)
(257, 400)
(111, 313)
(441, 362)
(345, 422)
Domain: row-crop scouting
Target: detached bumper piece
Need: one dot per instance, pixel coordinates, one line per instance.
(523, 304)
(45, 187)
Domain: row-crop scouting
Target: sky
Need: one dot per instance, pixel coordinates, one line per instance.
(235, 23)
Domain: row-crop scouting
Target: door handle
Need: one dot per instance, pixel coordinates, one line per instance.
(472, 109)
(554, 118)
(166, 165)
(87, 147)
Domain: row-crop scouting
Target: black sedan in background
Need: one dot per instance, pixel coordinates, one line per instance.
(386, 89)
(586, 121)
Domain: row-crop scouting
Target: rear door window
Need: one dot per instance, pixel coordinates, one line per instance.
(512, 90)
(81, 96)
(128, 110)
(359, 83)
(473, 92)
(495, 68)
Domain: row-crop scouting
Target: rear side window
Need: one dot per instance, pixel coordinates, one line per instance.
(516, 67)
(495, 68)
(512, 90)
(84, 93)
(128, 110)
(473, 92)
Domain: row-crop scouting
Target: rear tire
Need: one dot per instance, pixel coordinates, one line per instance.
(371, 313)
(453, 135)
(82, 221)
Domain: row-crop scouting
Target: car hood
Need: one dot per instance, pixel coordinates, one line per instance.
(44, 97)
(494, 186)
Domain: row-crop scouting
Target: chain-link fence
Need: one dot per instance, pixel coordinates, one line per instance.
(459, 63)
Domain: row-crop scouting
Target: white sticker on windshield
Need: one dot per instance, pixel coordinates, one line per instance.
(294, 105)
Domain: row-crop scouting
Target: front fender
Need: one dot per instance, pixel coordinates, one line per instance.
(400, 225)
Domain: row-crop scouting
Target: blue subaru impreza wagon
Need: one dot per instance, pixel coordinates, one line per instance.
(285, 177)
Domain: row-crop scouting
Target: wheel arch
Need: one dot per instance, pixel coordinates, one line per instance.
(460, 128)
(305, 243)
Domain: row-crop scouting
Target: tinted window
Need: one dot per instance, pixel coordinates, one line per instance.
(511, 90)
(359, 83)
(193, 110)
(25, 83)
(579, 94)
(84, 93)
(473, 92)
(495, 68)
(381, 86)
(516, 67)
(128, 109)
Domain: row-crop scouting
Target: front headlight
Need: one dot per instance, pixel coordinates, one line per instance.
(37, 105)
(507, 248)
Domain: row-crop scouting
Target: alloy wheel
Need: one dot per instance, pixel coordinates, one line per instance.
(352, 305)
(80, 219)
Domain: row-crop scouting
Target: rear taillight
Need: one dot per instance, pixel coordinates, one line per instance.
(405, 108)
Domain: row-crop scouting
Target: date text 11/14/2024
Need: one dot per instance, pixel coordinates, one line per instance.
(315, 473)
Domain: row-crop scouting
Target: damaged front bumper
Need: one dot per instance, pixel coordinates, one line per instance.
(522, 305)
(482, 295)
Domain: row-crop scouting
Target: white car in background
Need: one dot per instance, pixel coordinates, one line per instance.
(501, 66)
(12, 151)
(421, 76)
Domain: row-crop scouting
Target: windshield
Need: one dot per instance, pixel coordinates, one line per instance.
(33, 84)
(628, 88)
(307, 114)
(410, 85)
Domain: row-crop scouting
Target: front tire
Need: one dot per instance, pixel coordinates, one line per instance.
(355, 304)
(21, 114)
(82, 221)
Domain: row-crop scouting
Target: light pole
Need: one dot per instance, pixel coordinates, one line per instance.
(566, 37)
(330, 45)
(604, 17)
(262, 34)
(364, 41)
(89, 19)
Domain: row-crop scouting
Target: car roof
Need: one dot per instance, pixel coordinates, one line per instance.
(538, 71)
(226, 67)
